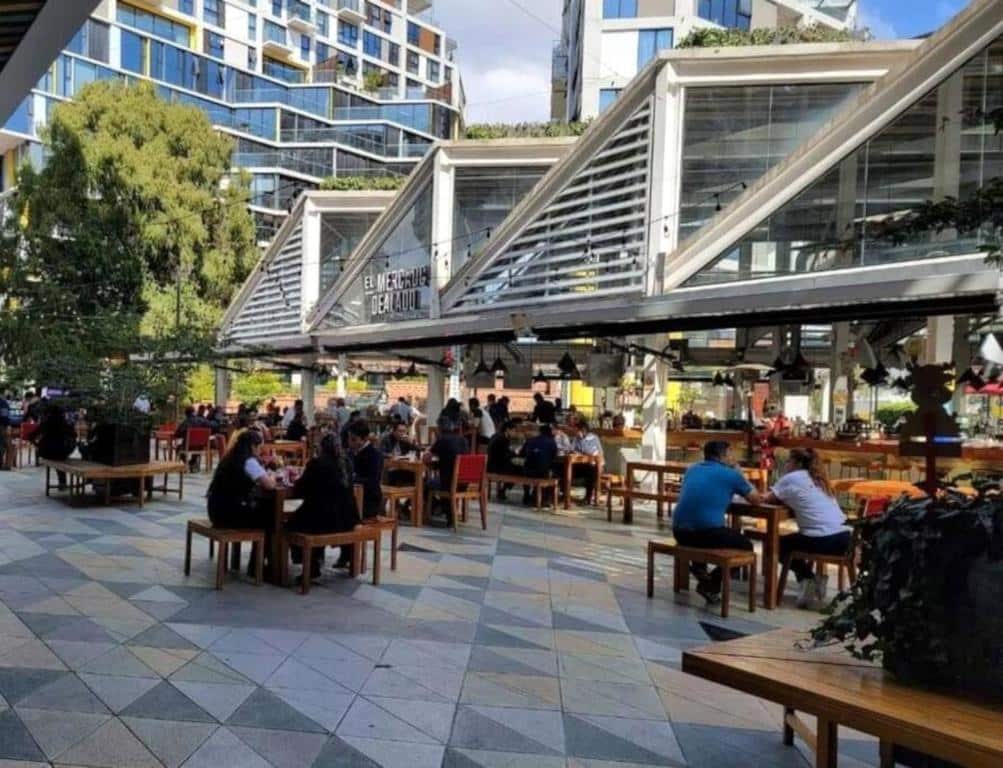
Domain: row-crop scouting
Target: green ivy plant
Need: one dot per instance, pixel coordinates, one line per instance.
(525, 130)
(363, 183)
(908, 605)
(727, 38)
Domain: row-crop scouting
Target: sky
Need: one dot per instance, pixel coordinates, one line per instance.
(505, 46)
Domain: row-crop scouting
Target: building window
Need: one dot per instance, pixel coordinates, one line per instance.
(281, 70)
(650, 42)
(187, 6)
(606, 97)
(132, 52)
(213, 44)
(305, 47)
(155, 25)
(275, 33)
(433, 71)
(252, 58)
(212, 12)
(348, 34)
(449, 74)
(322, 23)
(277, 8)
(371, 45)
(413, 62)
(252, 26)
(394, 56)
(619, 9)
(727, 13)
(323, 52)
(413, 33)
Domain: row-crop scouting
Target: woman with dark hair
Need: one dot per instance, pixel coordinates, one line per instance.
(235, 489)
(328, 502)
(821, 523)
(55, 438)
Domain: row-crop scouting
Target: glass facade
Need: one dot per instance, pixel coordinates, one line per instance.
(836, 222)
(734, 135)
(396, 283)
(482, 199)
(650, 42)
(340, 233)
(727, 13)
(606, 97)
(619, 9)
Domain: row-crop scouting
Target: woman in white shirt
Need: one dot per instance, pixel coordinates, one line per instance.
(821, 523)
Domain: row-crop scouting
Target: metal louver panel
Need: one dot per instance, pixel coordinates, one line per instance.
(588, 241)
(274, 309)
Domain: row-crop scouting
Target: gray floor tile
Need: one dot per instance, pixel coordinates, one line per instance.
(16, 743)
(67, 694)
(263, 709)
(111, 746)
(18, 682)
(282, 749)
(57, 734)
(165, 702)
(340, 754)
(172, 742)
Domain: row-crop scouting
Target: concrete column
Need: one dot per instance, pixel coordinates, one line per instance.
(454, 374)
(442, 228)
(310, 263)
(308, 393)
(939, 339)
(840, 346)
(222, 387)
(436, 399)
(654, 385)
(947, 147)
(666, 150)
(341, 388)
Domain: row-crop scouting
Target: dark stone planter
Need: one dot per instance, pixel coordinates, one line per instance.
(119, 445)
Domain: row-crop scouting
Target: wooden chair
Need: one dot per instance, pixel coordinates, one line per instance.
(217, 446)
(393, 495)
(846, 565)
(225, 537)
(25, 448)
(197, 443)
(469, 484)
(725, 559)
(538, 484)
(385, 524)
(357, 537)
(860, 467)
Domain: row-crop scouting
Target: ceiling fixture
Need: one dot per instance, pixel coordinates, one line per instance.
(412, 371)
(482, 367)
(729, 381)
(540, 378)
(973, 379)
(566, 364)
(498, 366)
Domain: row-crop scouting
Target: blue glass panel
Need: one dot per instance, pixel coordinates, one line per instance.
(132, 52)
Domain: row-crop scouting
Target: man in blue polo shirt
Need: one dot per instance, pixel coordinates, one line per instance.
(698, 519)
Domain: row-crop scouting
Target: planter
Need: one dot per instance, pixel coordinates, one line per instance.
(119, 445)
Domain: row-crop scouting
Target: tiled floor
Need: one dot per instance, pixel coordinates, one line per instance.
(530, 644)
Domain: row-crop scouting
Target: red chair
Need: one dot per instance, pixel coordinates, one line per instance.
(470, 483)
(874, 507)
(24, 444)
(197, 444)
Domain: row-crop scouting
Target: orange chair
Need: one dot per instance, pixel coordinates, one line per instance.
(197, 444)
(470, 483)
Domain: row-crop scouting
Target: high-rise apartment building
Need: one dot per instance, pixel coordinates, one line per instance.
(307, 88)
(604, 43)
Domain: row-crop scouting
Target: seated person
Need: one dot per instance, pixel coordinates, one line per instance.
(450, 445)
(482, 422)
(587, 443)
(55, 438)
(500, 455)
(192, 419)
(806, 490)
(297, 430)
(397, 443)
(234, 492)
(564, 443)
(328, 501)
(699, 517)
(540, 453)
(367, 467)
(544, 412)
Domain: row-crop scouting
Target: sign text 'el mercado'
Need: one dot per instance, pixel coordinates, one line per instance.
(397, 291)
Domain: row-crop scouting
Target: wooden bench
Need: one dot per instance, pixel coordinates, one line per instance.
(537, 483)
(80, 473)
(630, 494)
(225, 537)
(386, 524)
(359, 536)
(725, 559)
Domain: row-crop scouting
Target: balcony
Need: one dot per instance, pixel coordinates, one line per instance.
(301, 18)
(418, 6)
(350, 11)
(276, 42)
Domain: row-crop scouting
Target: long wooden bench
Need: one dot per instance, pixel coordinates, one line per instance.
(225, 537)
(725, 559)
(79, 473)
(537, 483)
(359, 536)
(630, 494)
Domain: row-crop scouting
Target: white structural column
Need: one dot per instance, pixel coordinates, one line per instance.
(310, 271)
(341, 388)
(443, 177)
(939, 339)
(308, 393)
(653, 439)
(436, 399)
(838, 413)
(222, 385)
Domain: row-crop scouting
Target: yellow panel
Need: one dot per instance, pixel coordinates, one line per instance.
(582, 395)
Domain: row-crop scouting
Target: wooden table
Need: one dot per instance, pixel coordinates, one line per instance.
(884, 489)
(774, 515)
(295, 450)
(839, 690)
(80, 472)
(660, 496)
(417, 468)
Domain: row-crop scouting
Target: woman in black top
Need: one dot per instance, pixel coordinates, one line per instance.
(55, 438)
(328, 502)
(500, 455)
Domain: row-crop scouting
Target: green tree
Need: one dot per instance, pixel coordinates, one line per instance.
(134, 207)
(256, 386)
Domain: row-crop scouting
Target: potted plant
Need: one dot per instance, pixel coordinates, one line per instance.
(926, 602)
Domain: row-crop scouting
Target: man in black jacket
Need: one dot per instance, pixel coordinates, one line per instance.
(367, 464)
(500, 455)
(545, 412)
(540, 453)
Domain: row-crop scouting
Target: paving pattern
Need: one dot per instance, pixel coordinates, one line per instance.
(530, 644)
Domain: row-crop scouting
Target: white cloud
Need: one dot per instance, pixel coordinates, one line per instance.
(503, 55)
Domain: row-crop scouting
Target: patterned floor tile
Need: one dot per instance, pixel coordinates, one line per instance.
(263, 709)
(16, 742)
(620, 739)
(166, 702)
(525, 691)
(112, 746)
(224, 750)
(118, 692)
(398, 754)
(55, 735)
(282, 749)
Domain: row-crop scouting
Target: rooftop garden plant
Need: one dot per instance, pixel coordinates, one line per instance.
(728, 38)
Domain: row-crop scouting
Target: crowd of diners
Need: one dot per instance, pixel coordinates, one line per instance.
(350, 453)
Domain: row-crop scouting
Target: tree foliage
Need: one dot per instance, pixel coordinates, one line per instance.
(727, 38)
(134, 202)
(256, 386)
